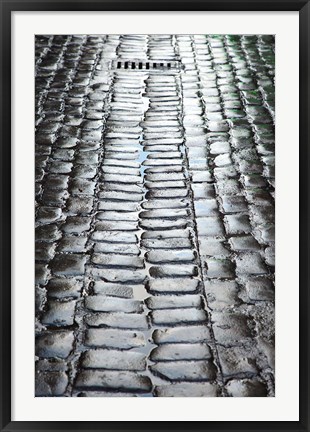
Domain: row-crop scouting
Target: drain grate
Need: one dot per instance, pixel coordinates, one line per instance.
(146, 65)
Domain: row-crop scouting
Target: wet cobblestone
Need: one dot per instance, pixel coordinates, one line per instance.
(155, 216)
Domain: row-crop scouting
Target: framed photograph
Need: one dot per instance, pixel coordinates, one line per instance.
(154, 215)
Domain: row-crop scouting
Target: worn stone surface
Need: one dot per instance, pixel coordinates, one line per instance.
(59, 313)
(50, 383)
(114, 359)
(186, 370)
(180, 352)
(187, 390)
(114, 338)
(246, 388)
(155, 222)
(179, 334)
(97, 379)
(55, 344)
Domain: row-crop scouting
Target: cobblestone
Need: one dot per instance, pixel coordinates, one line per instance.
(56, 344)
(197, 333)
(167, 302)
(97, 379)
(113, 338)
(68, 264)
(59, 314)
(155, 219)
(187, 390)
(112, 304)
(246, 388)
(64, 287)
(180, 352)
(186, 370)
(178, 316)
(117, 320)
(51, 383)
(114, 359)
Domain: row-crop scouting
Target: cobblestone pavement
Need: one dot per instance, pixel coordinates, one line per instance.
(154, 216)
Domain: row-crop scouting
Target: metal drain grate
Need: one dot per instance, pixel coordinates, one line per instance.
(146, 65)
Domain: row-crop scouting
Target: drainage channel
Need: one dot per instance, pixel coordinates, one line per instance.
(161, 65)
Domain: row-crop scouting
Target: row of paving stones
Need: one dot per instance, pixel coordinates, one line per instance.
(143, 286)
(118, 322)
(184, 342)
(71, 111)
(157, 268)
(233, 203)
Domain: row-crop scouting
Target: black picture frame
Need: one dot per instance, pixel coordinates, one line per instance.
(7, 7)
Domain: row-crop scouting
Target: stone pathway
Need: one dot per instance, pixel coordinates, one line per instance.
(154, 216)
